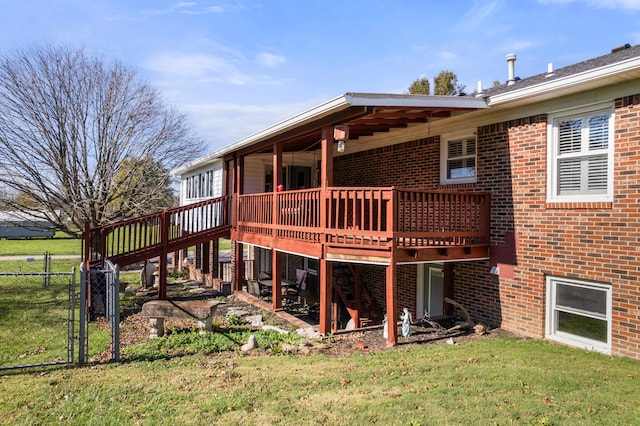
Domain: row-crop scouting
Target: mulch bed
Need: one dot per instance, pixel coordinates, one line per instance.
(134, 327)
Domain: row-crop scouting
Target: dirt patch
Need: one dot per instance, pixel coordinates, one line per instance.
(134, 326)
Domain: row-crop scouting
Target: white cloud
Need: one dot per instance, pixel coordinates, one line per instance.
(616, 4)
(512, 46)
(475, 16)
(185, 8)
(270, 60)
(220, 124)
(189, 66)
(222, 67)
(447, 55)
(631, 5)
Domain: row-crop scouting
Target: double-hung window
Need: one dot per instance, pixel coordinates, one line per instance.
(581, 156)
(458, 160)
(579, 313)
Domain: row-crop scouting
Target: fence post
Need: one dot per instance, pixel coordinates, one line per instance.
(72, 315)
(84, 280)
(113, 307)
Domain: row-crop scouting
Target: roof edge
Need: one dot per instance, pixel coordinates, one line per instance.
(334, 105)
(565, 82)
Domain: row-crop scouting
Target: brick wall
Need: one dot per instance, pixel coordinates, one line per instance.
(596, 241)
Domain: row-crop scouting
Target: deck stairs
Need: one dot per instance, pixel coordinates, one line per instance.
(352, 293)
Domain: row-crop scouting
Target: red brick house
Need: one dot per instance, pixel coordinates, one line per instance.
(520, 202)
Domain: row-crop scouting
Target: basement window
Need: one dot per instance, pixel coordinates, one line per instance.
(578, 313)
(458, 160)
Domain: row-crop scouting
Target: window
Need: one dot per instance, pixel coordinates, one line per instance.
(311, 265)
(581, 156)
(458, 164)
(430, 290)
(579, 313)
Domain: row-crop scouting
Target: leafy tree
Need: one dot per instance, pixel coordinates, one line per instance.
(83, 139)
(420, 86)
(141, 182)
(446, 84)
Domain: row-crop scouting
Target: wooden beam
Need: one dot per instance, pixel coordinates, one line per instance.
(392, 306)
(162, 272)
(276, 279)
(239, 263)
(277, 167)
(326, 288)
(326, 170)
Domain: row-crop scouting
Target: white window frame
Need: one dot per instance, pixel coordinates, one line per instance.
(553, 156)
(551, 328)
(307, 266)
(424, 285)
(444, 157)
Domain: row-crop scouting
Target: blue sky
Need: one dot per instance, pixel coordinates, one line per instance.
(238, 66)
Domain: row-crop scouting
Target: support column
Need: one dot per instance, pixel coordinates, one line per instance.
(326, 267)
(326, 170)
(239, 266)
(214, 259)
(204, 264)
(392, 309)
(326, 289)
(162, 272)
(237, 260)
(276, 279)
(277, 167)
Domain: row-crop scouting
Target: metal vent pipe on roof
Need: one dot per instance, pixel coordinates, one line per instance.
(511, 60)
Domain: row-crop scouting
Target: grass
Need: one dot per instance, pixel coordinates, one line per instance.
(59, 244)
(488, 381)
(185, 378)
(33, 318)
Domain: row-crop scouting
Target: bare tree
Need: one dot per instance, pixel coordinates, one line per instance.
(71, 126)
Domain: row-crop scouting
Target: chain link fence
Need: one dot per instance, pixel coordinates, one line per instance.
(39, 315)
(104, 300)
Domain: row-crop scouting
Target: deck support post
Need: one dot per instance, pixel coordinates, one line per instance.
(326, 267)
(239, 263)
(392, 308)
(164, 252)
(326, 274)
(276, 279)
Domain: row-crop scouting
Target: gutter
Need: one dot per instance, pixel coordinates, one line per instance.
(334, 105)
(571, 81)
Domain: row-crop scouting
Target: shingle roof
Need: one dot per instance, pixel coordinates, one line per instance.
(617, 55)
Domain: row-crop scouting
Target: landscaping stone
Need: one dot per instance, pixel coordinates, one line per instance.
(255, 320)
(251, 344)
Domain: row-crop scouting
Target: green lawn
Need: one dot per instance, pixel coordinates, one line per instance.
(484, 382)
(192, 379)
(60, 244)
(34, 317)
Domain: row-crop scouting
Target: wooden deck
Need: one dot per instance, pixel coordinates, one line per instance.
(367, 223)
(355, 223)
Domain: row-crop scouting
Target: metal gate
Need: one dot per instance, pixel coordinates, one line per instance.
(104, 300)
(44, 315)
(40, 319)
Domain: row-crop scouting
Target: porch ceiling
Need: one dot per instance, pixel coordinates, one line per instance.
(365, 114)
(362, 122)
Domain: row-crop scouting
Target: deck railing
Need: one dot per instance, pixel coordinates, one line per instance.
(340, 216)
(146, 236)
(376, 217)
